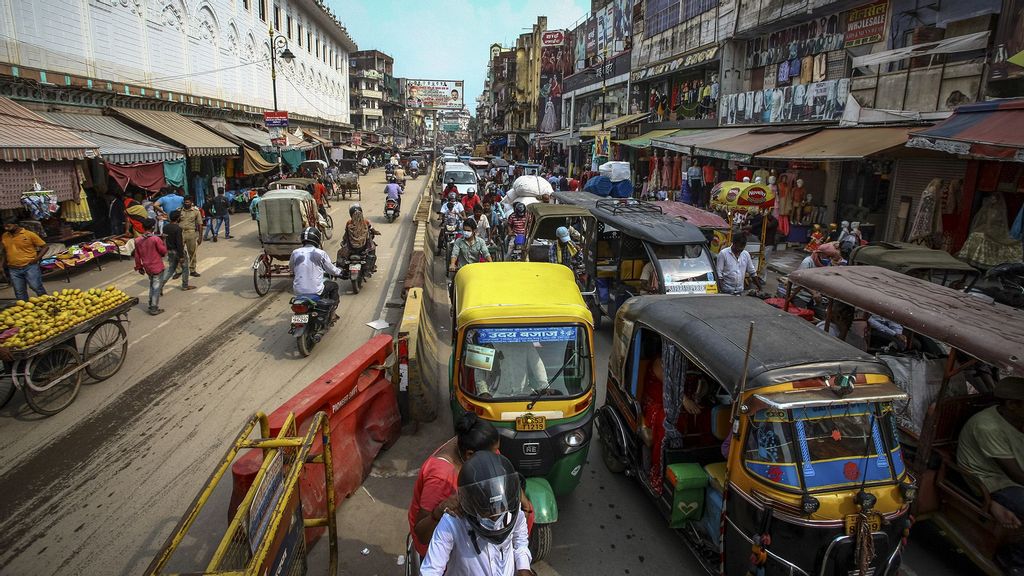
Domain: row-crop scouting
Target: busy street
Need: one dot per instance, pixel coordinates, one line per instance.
(512, 287)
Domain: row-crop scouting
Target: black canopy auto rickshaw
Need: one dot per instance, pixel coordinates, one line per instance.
(946, 349)
(743, 421)
(936, 266)
(641, 250)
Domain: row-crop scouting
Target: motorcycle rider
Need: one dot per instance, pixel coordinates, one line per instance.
(308, 264)
(470, 200)
(394, 192)
(414, 165)
(490, 536)
(450, 210)
(399, 174)
(468, 249)
(516, 223)
(451, 188)
(358, 239)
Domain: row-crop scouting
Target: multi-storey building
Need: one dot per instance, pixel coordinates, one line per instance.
(369, 72)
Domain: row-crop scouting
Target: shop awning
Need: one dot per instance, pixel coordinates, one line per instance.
(841, 144)
(198, 141)
(686, 141)
(26, 136)
(988, 130)
(118, 142)
(318, 138)
(744, 147)
(253, 162)
(644, 140)
(240, 134)
(611, 123)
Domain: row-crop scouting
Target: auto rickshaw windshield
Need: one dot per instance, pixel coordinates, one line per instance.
(686, 262)
(518, 362)
(828, 447)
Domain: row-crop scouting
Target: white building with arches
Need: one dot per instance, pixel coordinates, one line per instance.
(202, 52)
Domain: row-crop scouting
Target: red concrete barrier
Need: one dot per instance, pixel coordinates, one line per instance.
(363, 410)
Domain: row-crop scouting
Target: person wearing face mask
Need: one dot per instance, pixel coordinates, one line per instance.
(490, 537)
(468, 249)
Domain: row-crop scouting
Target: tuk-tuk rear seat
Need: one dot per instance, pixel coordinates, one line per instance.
(716, 475)
(630, 271)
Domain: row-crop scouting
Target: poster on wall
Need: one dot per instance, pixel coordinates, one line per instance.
(579, 38)
(814, 102)
(622, 21)
(866, 24)
(603, 28)
(591, 38)
(434, 94)
(556, 64)
(1008, 60)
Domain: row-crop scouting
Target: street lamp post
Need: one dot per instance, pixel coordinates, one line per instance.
(278, 42)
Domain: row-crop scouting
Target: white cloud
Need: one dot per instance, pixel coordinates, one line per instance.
(449, 39)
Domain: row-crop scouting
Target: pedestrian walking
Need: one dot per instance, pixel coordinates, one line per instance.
(149, 260)
(207, 213)
(191, 234)
(23, 249)
(177, 252)
(221, 215)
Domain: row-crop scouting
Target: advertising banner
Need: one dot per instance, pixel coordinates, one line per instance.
(555, 65)
(552, 38)
(866, 24)
(622, 22)
(579, 55)
(603, 29)
(434, 94)
(591, 39)
(814, 102)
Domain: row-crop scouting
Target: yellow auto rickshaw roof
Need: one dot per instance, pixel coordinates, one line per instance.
(519, 291)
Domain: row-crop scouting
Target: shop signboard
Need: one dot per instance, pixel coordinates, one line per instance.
(450, 126)
(435, 94)
(866, 24)
(552, 38)
(357, 140)
(275, 119)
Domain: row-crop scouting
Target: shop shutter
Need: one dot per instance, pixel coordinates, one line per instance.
(910, 179)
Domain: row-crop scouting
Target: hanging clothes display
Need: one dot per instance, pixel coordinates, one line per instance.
(989, 242)
(677, 172)
(174, 173)
(41, 204)
(927, 222)
(76, 212)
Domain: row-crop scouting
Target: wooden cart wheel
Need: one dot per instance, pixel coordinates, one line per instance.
(261, 275)
(105, 349)
(6, 389)
(53, 379)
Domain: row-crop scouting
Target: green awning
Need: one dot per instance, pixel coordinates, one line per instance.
(644, 140)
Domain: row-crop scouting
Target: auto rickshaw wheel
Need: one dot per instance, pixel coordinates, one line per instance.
(612, 462)
(540, 541)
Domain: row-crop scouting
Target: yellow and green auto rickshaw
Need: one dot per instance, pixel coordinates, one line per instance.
(522, 359)
(772, 448)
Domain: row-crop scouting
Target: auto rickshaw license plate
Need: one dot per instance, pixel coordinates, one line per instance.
(874, 522)
(530, 423)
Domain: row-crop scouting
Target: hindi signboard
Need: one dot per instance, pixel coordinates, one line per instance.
(434, 94)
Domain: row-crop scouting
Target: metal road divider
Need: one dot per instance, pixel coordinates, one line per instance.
(266, 533)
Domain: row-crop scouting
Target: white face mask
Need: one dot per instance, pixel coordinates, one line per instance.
(496, 523)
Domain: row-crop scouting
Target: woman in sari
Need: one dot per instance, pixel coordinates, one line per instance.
(136, 214)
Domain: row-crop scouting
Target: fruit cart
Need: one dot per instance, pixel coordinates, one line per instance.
(47, 367)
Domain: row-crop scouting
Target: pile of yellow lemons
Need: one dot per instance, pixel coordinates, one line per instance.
(46, 316)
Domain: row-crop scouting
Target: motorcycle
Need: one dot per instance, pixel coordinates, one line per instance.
(414, 173)
(518, 245)
(360, 269)
(390, 209)
(364, 170)
(311, 318)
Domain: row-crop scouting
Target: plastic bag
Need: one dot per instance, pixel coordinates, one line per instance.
(921, 378)
(615, 171)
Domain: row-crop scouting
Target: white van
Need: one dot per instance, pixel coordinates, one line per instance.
(464, 176)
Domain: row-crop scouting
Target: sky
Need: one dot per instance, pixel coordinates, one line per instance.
(448, 39)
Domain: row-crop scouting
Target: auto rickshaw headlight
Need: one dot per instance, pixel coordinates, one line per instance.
(809, 505)
(574, 440)
(908, 488)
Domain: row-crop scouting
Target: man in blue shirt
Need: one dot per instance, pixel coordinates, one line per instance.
(394, 192)
(170, 201)
(414, 165)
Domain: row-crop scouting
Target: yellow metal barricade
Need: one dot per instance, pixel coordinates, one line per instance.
(265, 535)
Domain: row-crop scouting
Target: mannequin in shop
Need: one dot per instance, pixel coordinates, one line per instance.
(797, 201)
(746, 179)
(757, 180)
(695, 181)
(844, 230)
(807, 209)
(780, 214)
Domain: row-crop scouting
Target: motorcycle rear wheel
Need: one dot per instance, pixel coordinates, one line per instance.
(357, 283)
(305, 342)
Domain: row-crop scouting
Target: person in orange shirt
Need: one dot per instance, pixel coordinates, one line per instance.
(23, 249)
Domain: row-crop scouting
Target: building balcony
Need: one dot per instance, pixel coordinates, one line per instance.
(368, 112)
(371, 94)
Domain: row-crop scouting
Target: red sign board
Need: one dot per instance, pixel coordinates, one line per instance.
(357, 140)
(866, 24)
(552, 38)
(275, 119)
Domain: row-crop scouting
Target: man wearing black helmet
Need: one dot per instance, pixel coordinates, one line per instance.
(490, 537)
(309, 263)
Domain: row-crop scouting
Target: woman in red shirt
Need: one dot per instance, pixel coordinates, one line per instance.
(435, 490)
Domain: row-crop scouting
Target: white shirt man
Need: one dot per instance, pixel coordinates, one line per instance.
(452, 553)
(364, 162)
(456, 208)
(734, 265)
(519, 371)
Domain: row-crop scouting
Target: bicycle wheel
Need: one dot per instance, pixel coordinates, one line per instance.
(261, 276)
(330, 227)
(105, 349)
(53, 379)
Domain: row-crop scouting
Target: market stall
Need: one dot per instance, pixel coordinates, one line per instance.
(739, 201)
